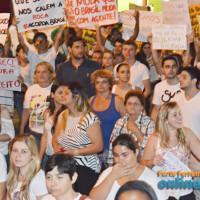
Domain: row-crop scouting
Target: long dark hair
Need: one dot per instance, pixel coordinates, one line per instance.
(52, 106)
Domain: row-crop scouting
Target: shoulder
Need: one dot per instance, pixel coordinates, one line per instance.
(90, 118)
(90, 100)
(91, 64)
(119, 100)
(141, 66)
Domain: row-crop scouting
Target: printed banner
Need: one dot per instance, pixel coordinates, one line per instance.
(147, 19)
(87, 13)
(176, 12)
(194, 13)
(169, 37)
(36, 14)
(4, 20)
(9, 71)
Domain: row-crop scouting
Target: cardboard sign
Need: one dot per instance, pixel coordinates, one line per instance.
(176, 12)
(86, 13)
(36, 14)
(169, 37)
(9, 71)
(4, 20)
(194, 13)
(147, 19)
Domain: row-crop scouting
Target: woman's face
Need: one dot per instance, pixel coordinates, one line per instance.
(147, 50)
(21, 155)
(58, 184)
(174, 120)
(108, 60)
(124, 73)
(21, 54)
(133, 195)
(68, 99)
(124, 156)
(133, 106)
(102, 84)
(59, 94)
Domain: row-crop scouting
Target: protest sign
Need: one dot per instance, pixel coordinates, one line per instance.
(172, 163)
(38, 14)
(9, 71)
(193, 2)
(176, 12)
(4, 19)
(85, 13)
(194, 13)
(169, 37)
(146, 20)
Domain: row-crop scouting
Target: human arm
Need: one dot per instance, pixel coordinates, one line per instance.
(100, 40)
(105, 182)
(137, 28)
(58, 38)
(155, 56)
(149, 158)
(7, 46)
(147, 87)
(43, 143)
(119, 104)
(21, 39)
(154, 112)
(24, 119)
(2, 190)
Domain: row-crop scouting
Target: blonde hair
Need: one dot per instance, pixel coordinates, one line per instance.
(50, 68)
(102, 73)
(82, 104)
(34, 167)
(162, 129)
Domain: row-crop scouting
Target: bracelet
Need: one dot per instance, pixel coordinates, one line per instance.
(76, 152)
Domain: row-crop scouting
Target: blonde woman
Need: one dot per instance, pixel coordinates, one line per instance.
(78, 133)
(25, 179)
(171, 136)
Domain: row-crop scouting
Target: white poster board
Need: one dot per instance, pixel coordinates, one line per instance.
(4, 20)
(89, 13)
(9, 71)
(36, 14)
(169, 37)
(146, 20)
(176, 12)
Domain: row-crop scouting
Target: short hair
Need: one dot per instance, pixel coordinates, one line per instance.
(193, 72)
(102, 73)
(50, 68)
(139, 186)
(64, 163)
(110, 52)
(133, 93)
(39, 34)
(125, 140)
(120, 65)
(170, 57)
(98, 51)
(130, 42)
(120, 40)
(72, 40)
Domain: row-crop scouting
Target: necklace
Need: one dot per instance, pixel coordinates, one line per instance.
(101, 102)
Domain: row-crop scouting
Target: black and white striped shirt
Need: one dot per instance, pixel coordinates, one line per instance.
(75, 137)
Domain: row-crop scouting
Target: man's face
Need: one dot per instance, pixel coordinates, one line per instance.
(97, 57)
(43, 74)
(40, 43)
(129, 51)
(118, 48)
(185, 80)
(170, 69)
(77, 50)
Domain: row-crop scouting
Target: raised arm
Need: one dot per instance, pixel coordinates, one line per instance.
(100, 39)
(58, 38)
(137, 26)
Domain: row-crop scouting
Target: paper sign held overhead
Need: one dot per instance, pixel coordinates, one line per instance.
(36, 14)
(169, 37)
(4, 20)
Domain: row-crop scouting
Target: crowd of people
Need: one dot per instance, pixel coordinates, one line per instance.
(94, 126)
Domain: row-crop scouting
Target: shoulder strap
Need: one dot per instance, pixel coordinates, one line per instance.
(84, 197)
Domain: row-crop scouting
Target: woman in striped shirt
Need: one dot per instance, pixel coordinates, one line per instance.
(78, 133)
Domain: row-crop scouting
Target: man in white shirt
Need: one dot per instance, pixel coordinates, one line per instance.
(166, 90)
(139, 73)
(189, 103)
